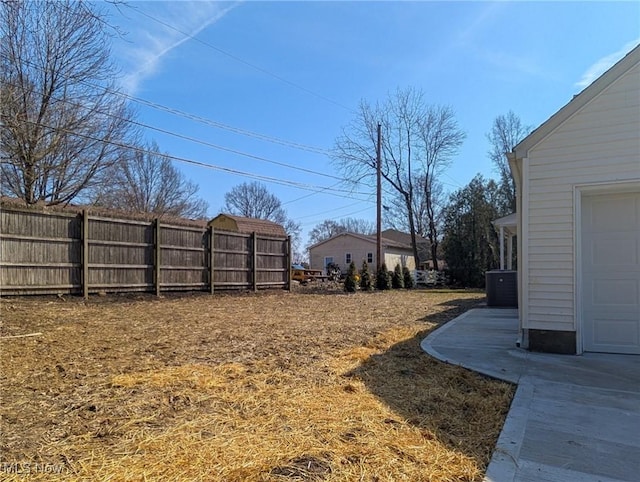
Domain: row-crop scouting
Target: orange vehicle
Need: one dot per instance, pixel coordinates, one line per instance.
(304, 275)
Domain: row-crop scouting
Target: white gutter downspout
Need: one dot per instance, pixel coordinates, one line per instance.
(516, 173)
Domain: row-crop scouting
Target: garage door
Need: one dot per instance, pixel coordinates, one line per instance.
(611, 273)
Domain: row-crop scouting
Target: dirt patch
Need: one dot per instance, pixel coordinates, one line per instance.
(310, 385)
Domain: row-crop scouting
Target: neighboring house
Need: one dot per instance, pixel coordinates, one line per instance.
(578, 204)
(424, 256)
(344, 248)
(239, 224)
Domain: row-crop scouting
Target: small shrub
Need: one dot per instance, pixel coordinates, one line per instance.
(350, 282)
(397, 280)
(365, 277)
(408, 279)
(383, 278)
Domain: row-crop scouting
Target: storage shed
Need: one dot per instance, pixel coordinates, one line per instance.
(578, 204)
(239, 224)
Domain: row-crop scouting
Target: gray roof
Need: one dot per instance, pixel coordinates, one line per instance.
(400, 237)
(369, 238)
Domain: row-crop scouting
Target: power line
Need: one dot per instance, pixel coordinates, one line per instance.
(342, 217)
(333, 211)
(314, 193)
(457, 183)
(220, 125)
(234, 151)
(208, 122)
(294, 184)
(242, 61)
(205, 143)
(196, 118)
(308, 195)
(318, 190)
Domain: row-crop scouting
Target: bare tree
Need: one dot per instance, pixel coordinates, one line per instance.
(396, 217)
(325, 230)
(395, 212)
(441, 138)
(146, 181)
(507, 131)
(355, 149)
(253, 200)
(359, 226)
(59, 111)
(417, 139)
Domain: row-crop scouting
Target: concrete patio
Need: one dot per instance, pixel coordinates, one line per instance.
(573, 418)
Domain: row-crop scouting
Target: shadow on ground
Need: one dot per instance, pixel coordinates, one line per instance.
(453, 309)
(463, 410)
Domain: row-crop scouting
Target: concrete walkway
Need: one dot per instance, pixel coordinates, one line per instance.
(573, 418)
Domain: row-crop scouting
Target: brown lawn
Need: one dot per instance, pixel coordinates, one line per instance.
(247, 387)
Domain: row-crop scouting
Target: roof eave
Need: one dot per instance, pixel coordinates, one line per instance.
(515, 165)
(578, 102)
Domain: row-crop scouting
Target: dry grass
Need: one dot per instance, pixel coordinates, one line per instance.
(268, 387)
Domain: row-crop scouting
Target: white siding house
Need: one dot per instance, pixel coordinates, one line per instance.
(346, 247)
(578, 203)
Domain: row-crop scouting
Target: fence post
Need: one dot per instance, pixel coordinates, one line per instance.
(85, 253)
(288, 260)
(211, 257)
(157, 257)
(255, 261)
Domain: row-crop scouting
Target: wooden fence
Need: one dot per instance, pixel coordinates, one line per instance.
(59, 253)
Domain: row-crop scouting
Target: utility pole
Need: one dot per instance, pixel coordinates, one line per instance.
(378, 202)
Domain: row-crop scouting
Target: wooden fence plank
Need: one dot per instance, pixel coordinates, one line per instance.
(42, 265)
(125, 244)
(234, 270)
(158, 256)
(120, 221)
(254, 264)
(119, 266)
(289, 263)
(180, 248)
(182, 228)
(85, 254)
(211, 253)
(21, 237)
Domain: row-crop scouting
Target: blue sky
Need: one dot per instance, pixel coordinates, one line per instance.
(296, 71)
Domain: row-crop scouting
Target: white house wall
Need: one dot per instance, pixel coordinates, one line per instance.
(598, 144)
(392, 257)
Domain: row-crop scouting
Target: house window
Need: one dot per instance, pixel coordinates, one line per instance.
(328, 260)
(347, 259)
(369, 258)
